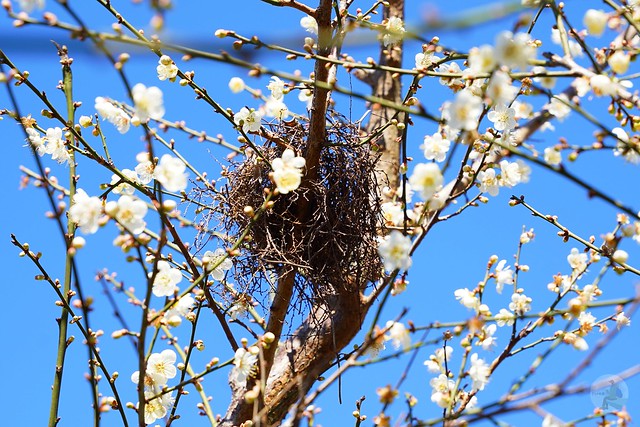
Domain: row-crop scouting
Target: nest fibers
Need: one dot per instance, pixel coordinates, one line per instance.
(334, 248)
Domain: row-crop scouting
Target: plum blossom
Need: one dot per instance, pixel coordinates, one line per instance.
(161, 366)
(479, 372)
(129, 212)
(622, 320)
(394, 250)
(619, 62)
(309, 24)
(124, 187)
(166, 69)
(85, 211)
(167, 277)
(626, 147)
(287, 171)
(426, 179)
(436, 362)
(500, 90)
(210, 260)
(276, 86)
(170, 172)
(502, 117)
(463, 113)
(467, 298)
(520, 304)
(482, 59)
(435, 147)
(487, 339)
(552, 156)
(510, 175)
(398, 335)
(248, 119)
(148, 102)
(603, 85)
(503, 275)
(488, 182)
(514, 51)
(442, 390)
(236, 85)
(577, 260)
(276, 108)
(56, 146)
(244, 361)
(595, 21)
(180, 309)
(504, 317)
(393, 31)
(114, 115)
(425, 59)
(559, 106)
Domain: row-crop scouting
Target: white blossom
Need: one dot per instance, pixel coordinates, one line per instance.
(398, 335)
(287, 171)
(170, 172)
(622, 320)
(520, 304)
(467, 298)
(161, 366)
(394, 250)
(211, 259)
(437, 361)
(244, 361)
(559, 106)
(488, 182)
(276, 86)
(504, 317)
(595, 21)
(425, 59)
(166, 68)
(393, 31)
(442, 390)
(85, 211)
(514, 51)
(552, 156)
(426, 179)
(148, 102)
(248, 119)
(129, 212)
(503, 275)
(435, 147)
(509, 174)
(166, 279)
(114, 115)
(619, 62)
(479, 372)
(463, 113)
(124, 187)
(500, 90)
(236, 85)
(503, 117)
(482, 59)
(309, 24)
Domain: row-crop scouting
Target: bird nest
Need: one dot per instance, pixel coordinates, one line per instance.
(325, 231)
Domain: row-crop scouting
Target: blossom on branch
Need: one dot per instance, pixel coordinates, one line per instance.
(287, 171)
(85, 211)
(170, 172)
(394, 250)
(148, 102)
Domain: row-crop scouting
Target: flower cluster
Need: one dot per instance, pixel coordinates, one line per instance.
(53, 143)
(160, 368)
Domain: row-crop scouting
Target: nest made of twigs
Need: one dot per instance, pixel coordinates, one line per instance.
(334, 247)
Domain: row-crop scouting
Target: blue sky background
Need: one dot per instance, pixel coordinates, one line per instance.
(453, 256)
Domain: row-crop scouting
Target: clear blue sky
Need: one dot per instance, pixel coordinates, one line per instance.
(453, 256)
